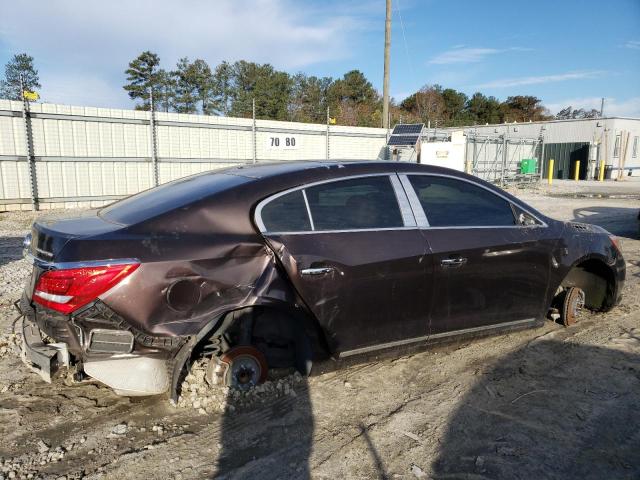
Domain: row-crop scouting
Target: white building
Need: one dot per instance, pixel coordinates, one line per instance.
(613, 141)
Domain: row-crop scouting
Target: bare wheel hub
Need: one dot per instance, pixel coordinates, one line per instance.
(572, 305)
(241, 367)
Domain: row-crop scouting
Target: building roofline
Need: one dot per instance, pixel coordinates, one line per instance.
(538, 122)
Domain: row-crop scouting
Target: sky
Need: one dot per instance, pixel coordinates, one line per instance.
(566, 52)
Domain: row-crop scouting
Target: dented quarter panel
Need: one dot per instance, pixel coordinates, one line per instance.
(225, 283)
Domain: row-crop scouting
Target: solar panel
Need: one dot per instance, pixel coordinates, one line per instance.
(407, 128)
(407, 140)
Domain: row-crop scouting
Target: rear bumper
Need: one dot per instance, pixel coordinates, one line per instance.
(129, 374)
(44, 359)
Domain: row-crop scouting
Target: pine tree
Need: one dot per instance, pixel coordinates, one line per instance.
(186, 93)
(143, 75)
(164, 94)
(21, 65)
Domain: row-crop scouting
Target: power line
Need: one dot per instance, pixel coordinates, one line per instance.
(406, 49)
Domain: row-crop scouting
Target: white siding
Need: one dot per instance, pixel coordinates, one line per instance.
(109, 154)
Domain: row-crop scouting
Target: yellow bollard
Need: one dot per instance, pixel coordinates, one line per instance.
(576, 175)
(550, 171)
(601, 173)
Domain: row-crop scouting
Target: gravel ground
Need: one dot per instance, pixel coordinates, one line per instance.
(544, 403)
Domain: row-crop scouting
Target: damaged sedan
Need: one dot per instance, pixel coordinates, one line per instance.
(285, 266)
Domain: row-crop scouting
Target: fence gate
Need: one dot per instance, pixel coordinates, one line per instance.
(498, 159)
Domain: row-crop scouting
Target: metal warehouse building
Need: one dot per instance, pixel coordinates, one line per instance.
(613, 141)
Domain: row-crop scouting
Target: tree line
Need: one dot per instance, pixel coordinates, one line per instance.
(229, 89)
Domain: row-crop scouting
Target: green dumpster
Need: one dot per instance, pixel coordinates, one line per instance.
(528, 165)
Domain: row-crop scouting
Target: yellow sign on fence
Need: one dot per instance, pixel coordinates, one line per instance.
(31, 96)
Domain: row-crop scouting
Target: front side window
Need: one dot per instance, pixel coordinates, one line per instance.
(448, 202)
(354, 204)
(287, 213)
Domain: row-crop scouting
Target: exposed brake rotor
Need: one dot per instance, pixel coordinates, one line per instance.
(572, 305)
(241, 367)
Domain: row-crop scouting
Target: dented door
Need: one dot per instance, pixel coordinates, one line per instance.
(353, 252)
(365, 288)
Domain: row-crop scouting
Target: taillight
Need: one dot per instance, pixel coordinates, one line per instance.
(67, 290)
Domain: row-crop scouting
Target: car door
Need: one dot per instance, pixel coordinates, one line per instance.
(489, 269)
(353, 252)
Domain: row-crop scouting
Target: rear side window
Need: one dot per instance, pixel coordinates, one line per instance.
(361, 203)
(453, 203)
(287, 213)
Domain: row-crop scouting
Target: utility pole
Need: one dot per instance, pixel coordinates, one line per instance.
(602, 107)
(385, 83)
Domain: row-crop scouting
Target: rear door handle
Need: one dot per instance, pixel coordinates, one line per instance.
(453, 262)
(316, 271)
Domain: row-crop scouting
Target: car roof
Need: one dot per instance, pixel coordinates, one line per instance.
(339, 167)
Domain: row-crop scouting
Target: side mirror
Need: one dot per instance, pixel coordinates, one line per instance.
(526, 220)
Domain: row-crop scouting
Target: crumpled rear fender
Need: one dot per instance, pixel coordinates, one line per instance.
(181, 297)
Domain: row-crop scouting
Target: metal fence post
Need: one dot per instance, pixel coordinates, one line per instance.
(505, 145)
(472, 162)
(541, 162)
(253, 131)
(154, 143)
(328, 121)
(31, 159)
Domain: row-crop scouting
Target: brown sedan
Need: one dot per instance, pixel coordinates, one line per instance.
(283, 265)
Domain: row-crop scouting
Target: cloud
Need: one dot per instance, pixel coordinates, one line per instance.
(460, 54)
(536, 80)
(632, 44)
(613, 107)
(269, 30)
(98, 39)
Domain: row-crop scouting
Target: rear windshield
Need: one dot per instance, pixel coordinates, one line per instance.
(167, 197)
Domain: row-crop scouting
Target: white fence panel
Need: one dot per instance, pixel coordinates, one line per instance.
(86, 156)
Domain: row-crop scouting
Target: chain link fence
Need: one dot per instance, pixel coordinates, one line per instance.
(503, 160)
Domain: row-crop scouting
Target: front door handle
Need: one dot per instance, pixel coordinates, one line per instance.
(453, 262)
(316, 271)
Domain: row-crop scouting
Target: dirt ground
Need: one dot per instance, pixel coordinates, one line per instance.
(552, 402)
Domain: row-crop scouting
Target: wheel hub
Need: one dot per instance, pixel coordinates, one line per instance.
(241, 367)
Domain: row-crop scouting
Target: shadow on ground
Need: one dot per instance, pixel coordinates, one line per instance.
(550, 410)
(268, 442)
(10, 249)
(619, 221)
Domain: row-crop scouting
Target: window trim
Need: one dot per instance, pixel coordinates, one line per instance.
(408, 218)
(416, 205)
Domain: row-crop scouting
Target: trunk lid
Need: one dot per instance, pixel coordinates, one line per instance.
(49, 237)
